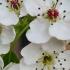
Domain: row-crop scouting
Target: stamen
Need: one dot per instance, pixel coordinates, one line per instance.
(60, 3)
(46, 59)
(14, 4)
(52, 14)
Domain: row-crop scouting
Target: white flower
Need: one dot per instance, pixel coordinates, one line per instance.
(7, 35)
(53, 19)
(12, 66)
(15, 5)
(36, 57)
(10, 11)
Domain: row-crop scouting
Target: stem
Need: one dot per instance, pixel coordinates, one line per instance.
(13, 44)
(26, 27)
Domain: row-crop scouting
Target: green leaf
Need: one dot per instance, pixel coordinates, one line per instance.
(10, 57)
(20, 28)
(23, 25)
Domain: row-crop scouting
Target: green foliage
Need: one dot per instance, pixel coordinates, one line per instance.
(20, 28)
(23, 25)
(10, 57)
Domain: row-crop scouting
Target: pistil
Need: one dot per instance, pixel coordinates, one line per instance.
(52, 14)
(14, 4)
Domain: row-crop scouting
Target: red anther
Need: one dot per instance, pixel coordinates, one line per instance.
(53, 13)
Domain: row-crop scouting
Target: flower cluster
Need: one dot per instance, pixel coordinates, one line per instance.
(10, 13)
(8, 18)
(49, 33)
(53, 18)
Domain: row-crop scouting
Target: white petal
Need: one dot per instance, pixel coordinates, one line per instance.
(65, 54)
(39, 25)
(7, 35)
(24, 66)
(37, 38)
(64, 5)
(32, 6)
(39, 31)
(64, 60)
(4, 48)
(31, 53)
(10, 19)
(53, 46)
(3, 2)
(27, 67)
(1, 63)
(60, 30)
(3, 12)
(12, 66)
(23, 12)
(67, 18)
(7, 17)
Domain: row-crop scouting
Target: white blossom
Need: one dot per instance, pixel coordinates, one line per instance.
(53, 20)
(41, 57)
(11, 11)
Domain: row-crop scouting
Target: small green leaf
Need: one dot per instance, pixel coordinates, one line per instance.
(23, 25)
(10, 57)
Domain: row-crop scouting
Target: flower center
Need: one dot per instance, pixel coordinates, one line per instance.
(15, 5)
(46, 60)
(52, 14)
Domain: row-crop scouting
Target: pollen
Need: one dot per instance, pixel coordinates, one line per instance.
(52, 14)
(14, 4)
(46, 60)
